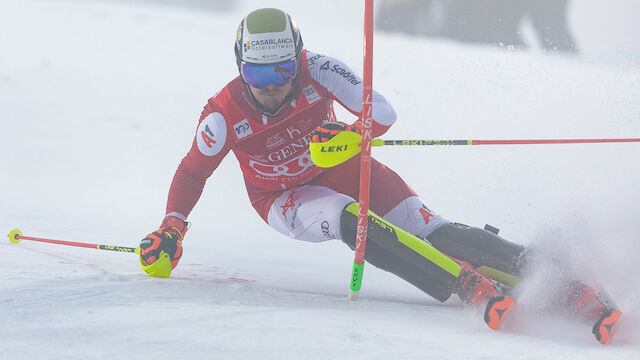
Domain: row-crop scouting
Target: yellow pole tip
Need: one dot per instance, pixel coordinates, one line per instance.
(13, 236)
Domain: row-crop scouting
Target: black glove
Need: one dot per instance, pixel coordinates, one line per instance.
(330, 129)
(161, 250)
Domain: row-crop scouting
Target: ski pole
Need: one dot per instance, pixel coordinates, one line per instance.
(16, 235)
(381, 142)
(346, 145)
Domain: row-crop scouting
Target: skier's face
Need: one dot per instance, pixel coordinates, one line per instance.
(271, 96)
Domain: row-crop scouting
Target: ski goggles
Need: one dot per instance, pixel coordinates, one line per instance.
(259, 76)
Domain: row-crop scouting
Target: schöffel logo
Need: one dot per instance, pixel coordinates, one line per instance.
(312, 60)
(352, 78)
(346, 74)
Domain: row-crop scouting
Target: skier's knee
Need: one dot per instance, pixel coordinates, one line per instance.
(413, 216)
(308, 213)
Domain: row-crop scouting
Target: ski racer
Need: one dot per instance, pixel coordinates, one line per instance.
(281, 102)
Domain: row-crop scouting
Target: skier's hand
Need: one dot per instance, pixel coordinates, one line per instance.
(161, 250)
(334, 143)
(330, 129)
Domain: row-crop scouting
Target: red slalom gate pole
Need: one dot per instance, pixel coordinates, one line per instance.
(15, 236)
(365, 154)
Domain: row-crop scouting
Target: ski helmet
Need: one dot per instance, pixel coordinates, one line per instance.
(267, 36)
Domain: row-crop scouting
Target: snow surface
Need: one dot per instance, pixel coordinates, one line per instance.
(99, 102)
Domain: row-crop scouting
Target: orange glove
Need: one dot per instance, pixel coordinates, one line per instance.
(168, 240)
(330, 129)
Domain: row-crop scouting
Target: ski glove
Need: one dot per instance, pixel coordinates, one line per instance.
(161, 250)
(334, 143)
(330, 129)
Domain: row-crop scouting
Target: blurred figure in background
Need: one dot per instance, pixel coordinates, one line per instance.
(481, 21)
(549, 19)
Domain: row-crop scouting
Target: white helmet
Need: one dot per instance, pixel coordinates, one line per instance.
(267, 36)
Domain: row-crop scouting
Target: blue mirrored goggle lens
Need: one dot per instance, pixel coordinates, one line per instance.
(260, 76)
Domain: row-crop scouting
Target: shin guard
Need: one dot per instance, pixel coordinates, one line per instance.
(489, 253)
(405, 255)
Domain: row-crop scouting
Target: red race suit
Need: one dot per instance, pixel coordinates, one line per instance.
(273, 152)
